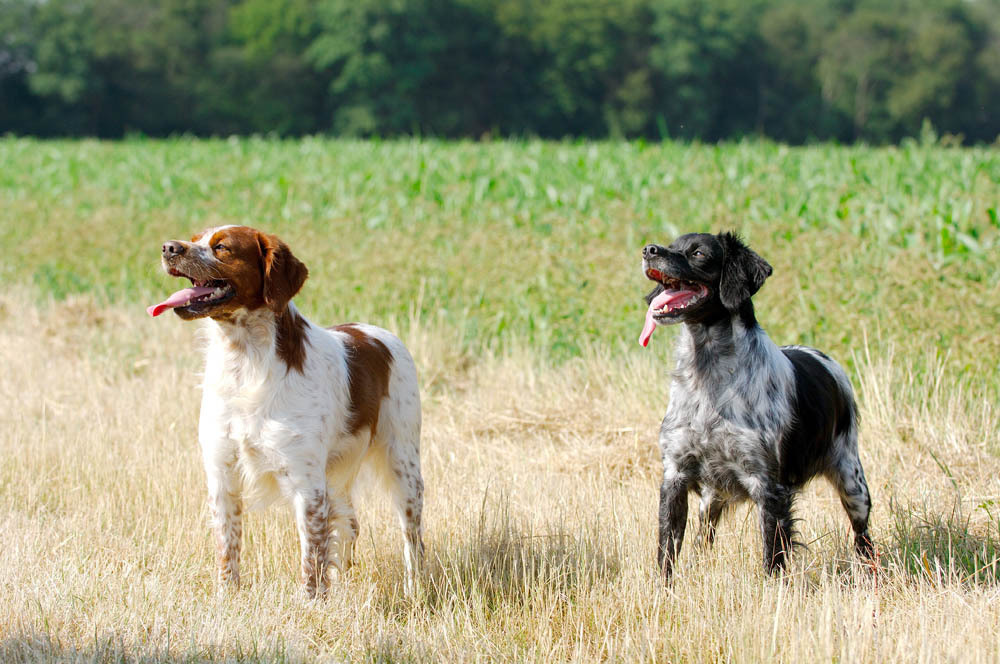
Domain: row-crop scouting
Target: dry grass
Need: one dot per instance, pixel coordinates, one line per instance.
(540, 519)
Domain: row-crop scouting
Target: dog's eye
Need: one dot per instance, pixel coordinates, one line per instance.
(698, 253)
(219, 247)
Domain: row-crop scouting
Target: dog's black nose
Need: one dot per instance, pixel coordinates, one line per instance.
(651, 250)
(172, 248)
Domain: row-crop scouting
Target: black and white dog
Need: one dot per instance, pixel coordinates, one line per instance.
(747, 419)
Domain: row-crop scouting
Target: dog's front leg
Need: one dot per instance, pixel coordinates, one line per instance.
(673, 518)
(226, 507)
(225, 503)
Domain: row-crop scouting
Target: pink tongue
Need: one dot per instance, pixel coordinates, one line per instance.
(666, 297)
(178, 299)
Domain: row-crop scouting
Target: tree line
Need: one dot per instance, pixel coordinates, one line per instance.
(792, 70)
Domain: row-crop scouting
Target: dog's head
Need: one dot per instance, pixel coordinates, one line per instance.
(230, 268)
(701, 277)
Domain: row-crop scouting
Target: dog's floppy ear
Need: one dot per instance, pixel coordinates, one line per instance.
(653, 293)
(284, 274)
(743, 272)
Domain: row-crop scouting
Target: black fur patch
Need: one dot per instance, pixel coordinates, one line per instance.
(743, 272)
(821, 412)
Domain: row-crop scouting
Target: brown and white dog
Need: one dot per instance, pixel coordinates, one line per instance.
(291, 409)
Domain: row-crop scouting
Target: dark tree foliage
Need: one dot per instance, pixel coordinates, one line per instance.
(792, 70)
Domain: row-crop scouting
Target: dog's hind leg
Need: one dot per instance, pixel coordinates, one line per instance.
(776, 526)
(397, 456)
(398, 462)
(407, 488)
(848, 477)
(343, 532)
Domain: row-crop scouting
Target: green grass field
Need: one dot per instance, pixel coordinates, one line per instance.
(532, 241)
(511, 270)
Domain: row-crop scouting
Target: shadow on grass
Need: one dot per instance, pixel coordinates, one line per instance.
(504, 566)
(943, 547)
(40, 647)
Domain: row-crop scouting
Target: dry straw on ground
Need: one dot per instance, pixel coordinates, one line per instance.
(539, 519)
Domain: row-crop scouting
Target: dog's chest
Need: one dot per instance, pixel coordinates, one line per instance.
(715, 452)
(248, 428)
(722, 434)
(263, 407)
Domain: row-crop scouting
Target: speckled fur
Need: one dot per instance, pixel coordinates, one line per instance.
(744, 422)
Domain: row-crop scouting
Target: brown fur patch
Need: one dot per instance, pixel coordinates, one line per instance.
(290, 342)
(369, 363)
(284, 274)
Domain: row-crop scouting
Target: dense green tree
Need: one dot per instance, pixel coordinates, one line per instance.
(711, 57)
(795, 70)
(406, 66)
(973, 105)
(269, 83)
(589, 63)
(18, 106)
(891, 64)
(62, 70)
(792, 35)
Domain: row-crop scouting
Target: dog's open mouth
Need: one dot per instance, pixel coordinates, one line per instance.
(677, 296)
(203, 295)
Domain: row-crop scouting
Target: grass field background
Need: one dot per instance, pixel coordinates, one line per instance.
(511, 270)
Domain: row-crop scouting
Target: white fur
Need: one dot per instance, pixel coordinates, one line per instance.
(269, 431)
